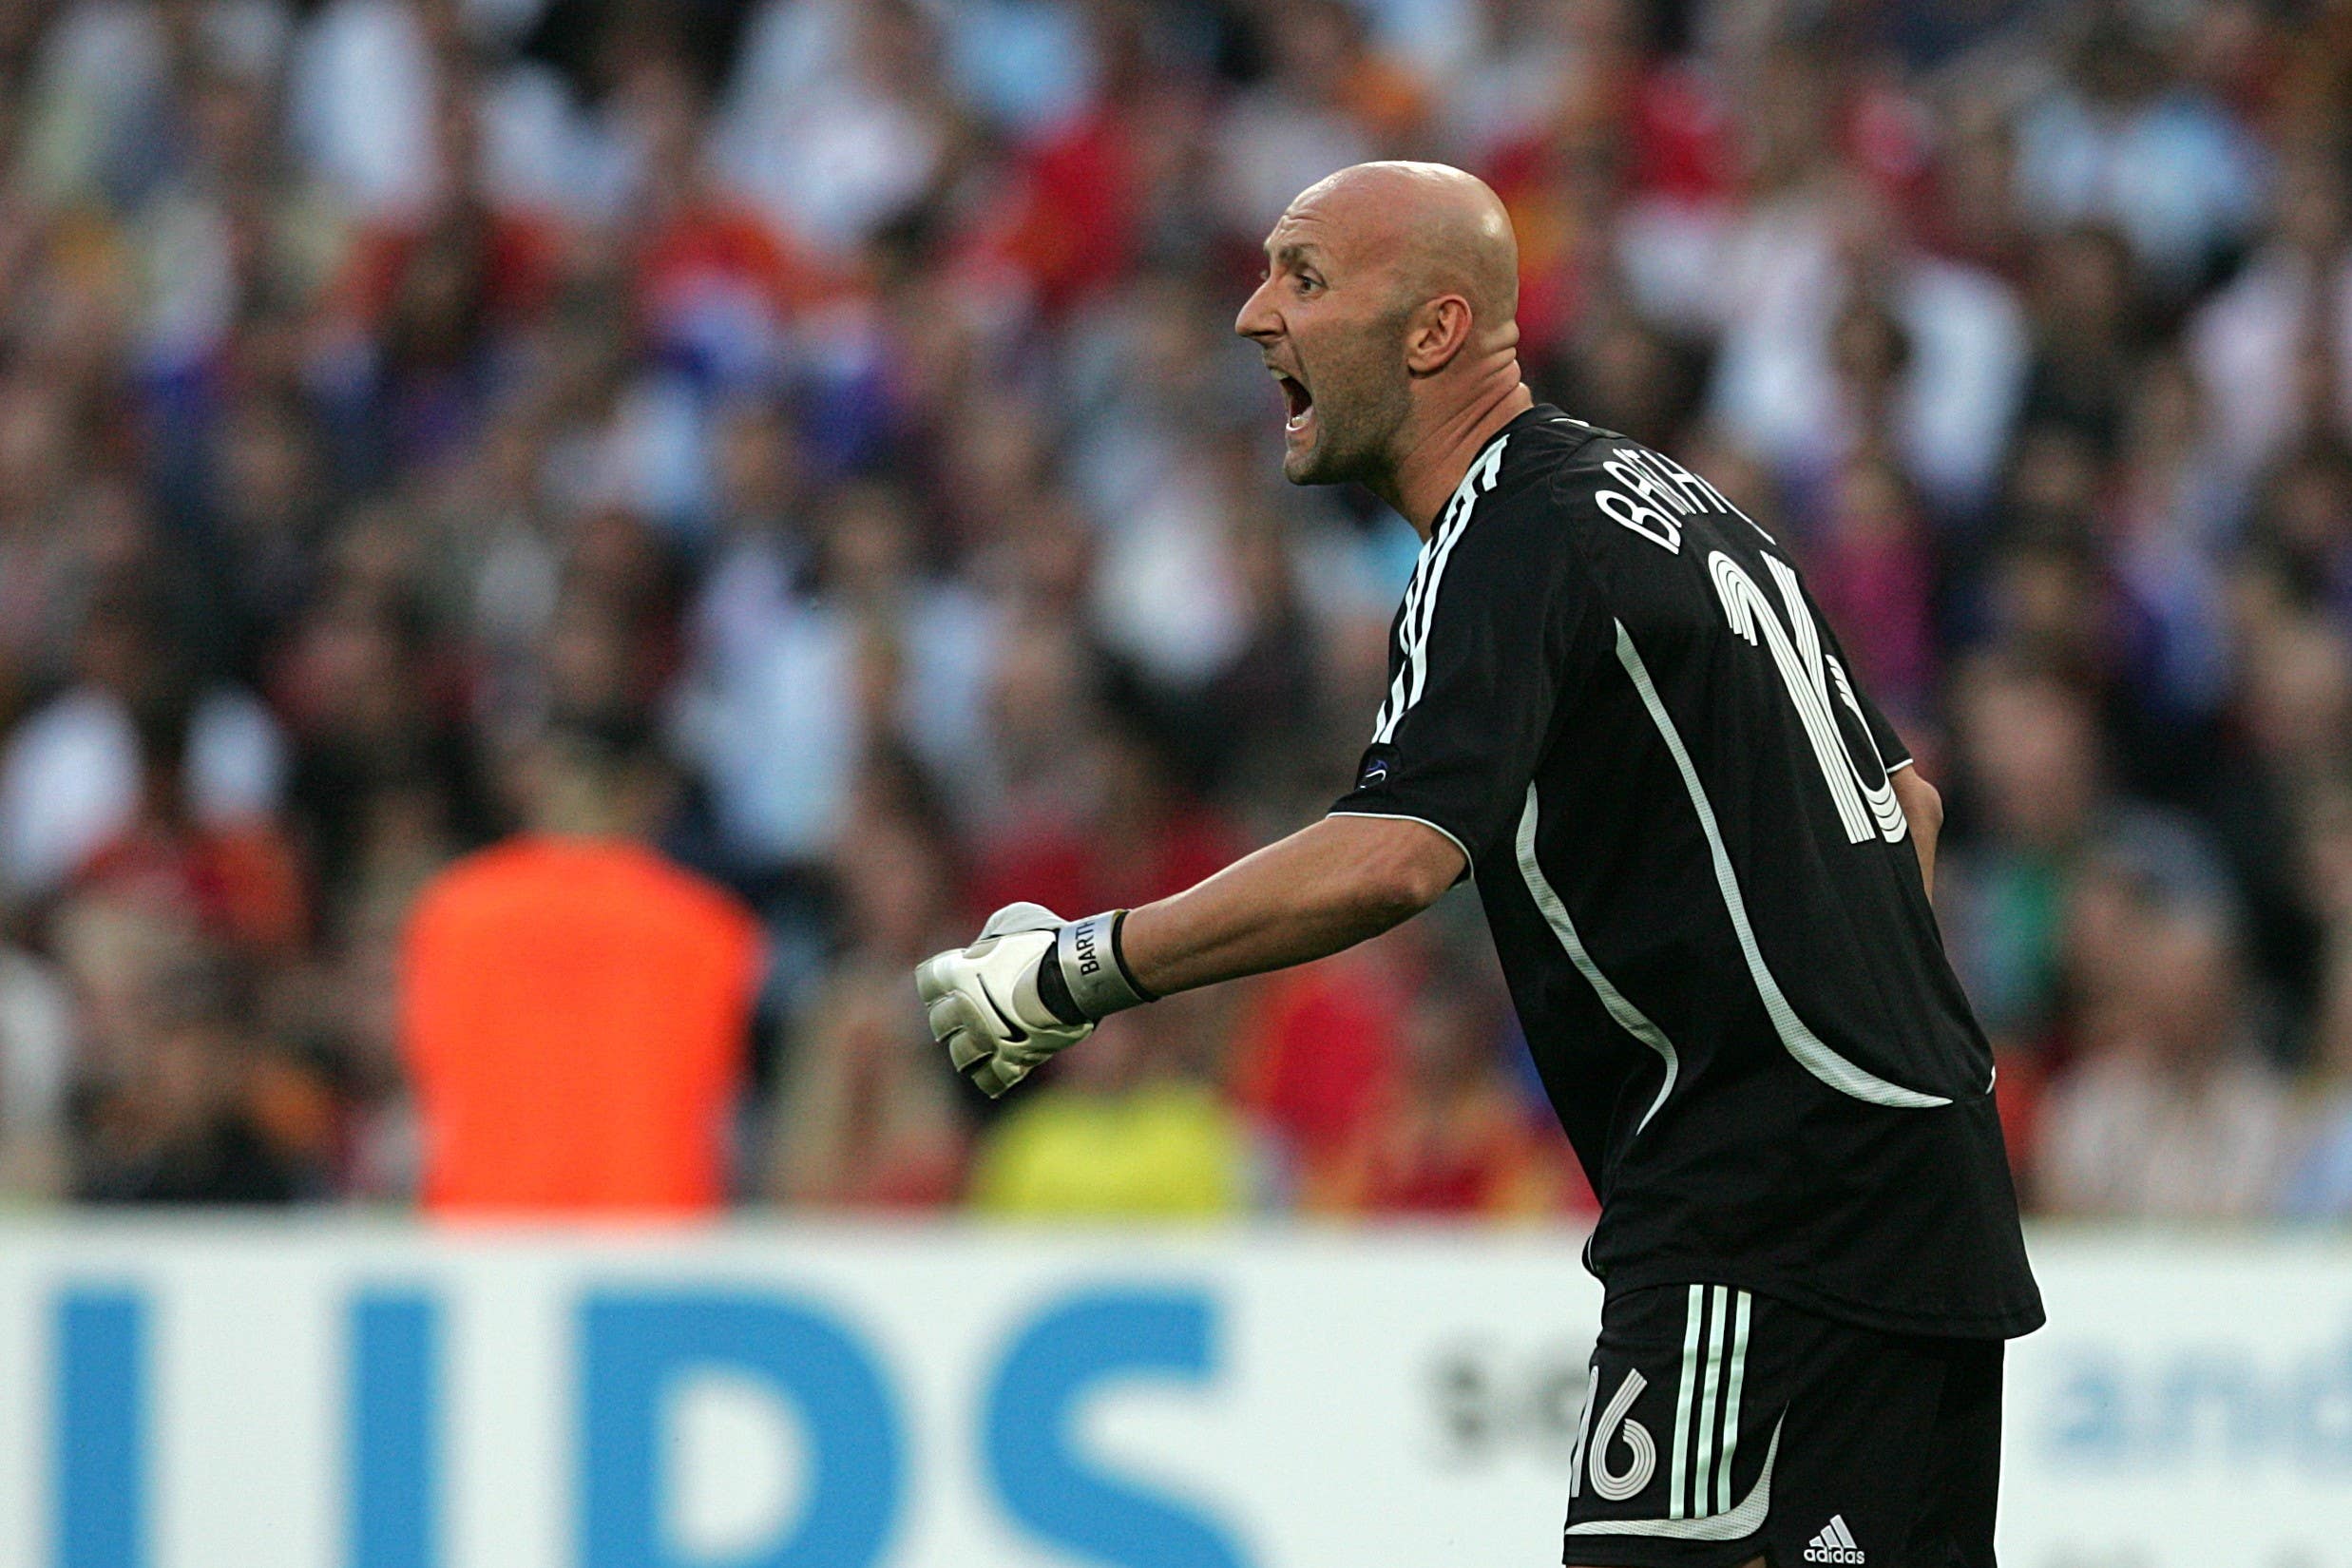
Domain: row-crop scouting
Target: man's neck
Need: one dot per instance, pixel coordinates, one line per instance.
(1431, 469)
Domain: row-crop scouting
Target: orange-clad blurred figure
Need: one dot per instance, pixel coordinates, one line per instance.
(575, 1008)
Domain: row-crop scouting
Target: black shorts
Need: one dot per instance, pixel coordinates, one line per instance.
(1722, 1427)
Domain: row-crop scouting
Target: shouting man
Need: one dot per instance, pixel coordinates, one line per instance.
(1705, 857)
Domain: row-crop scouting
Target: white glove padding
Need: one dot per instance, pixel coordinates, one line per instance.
(983, 1000)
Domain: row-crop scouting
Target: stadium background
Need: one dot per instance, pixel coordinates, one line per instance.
(828, 409)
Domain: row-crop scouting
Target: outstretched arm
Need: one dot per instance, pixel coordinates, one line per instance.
(1327, 887)
(1035, 984)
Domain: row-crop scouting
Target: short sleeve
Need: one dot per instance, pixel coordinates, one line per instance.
(1893, 754)
(1493, 630)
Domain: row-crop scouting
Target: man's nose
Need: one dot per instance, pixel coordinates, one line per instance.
(1258, 319)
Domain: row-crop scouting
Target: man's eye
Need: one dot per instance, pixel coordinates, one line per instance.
(1308, 283)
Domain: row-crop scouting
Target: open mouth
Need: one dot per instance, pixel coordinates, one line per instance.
(1299, 402)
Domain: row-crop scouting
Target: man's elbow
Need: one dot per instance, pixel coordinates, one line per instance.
(1388, 901)
(1411, 875)
(1922, 804)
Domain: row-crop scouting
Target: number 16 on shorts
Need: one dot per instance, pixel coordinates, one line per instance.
(1671, 1446)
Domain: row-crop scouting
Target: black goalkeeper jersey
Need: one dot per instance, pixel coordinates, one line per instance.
(1611, 689)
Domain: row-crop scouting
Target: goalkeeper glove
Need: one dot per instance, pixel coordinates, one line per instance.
(1031, 984)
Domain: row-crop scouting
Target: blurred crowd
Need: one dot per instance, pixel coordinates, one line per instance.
(815, 424)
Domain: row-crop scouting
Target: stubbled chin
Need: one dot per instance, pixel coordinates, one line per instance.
(1299, 458)
(1304, 460)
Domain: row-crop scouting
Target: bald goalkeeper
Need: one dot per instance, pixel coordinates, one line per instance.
(1705, 857)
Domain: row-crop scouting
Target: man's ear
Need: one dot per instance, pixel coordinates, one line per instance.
(1438, 330)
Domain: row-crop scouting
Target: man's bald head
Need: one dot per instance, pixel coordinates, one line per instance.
(1438, 229)
(1386, 316)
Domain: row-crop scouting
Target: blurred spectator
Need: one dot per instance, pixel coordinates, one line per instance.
(1134, 836)
(70, 773)
(715, 289)
(795, 686)
(2126, 138)
(577, 1010)
(2271, 347)
(2030, 783)
(869, 1113)
(236, 882)
(841, 119)
(1320, 1048)
(2172, 1110)
(38, 1059)
(1126, 1128)
(208, 1115)
(44, 564)
(1455, 1133)
(2319, 1182)
(261, 511)
(1845, 335)
(385, 783)
(361, 98)
(2087, 336)
(1872, 571)
(1329, 97)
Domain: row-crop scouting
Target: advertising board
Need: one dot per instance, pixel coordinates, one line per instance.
(333, 1395)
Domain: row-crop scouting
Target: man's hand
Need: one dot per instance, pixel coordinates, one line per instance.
(983, 1000)
(1032, 984)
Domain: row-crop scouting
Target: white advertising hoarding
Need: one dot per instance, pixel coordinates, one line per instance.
(324, 1395)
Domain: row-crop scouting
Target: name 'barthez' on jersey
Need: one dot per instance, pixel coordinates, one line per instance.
(1611, 689)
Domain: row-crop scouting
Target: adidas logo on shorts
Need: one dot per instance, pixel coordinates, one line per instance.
(1834, 1544)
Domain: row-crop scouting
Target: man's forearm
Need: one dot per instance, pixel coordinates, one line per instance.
(1325, 887)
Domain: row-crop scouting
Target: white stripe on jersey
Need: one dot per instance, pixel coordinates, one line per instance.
(1628, 1018)
(1421, 596)
(1800, 1042)
(1465, 502)
(1392, 708)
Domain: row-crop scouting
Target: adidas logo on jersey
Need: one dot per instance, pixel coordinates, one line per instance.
(1834, 1544)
